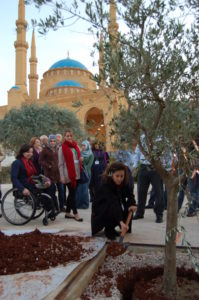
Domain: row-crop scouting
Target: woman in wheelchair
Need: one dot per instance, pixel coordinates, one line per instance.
(23, 170)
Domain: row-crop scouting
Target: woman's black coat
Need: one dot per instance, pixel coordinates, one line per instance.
(111, 206)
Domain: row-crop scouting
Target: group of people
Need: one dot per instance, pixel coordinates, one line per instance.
(62, 162)
(147, 175)
(110, 186)
(59, 161)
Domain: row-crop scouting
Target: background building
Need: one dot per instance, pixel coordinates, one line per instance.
(65, 83)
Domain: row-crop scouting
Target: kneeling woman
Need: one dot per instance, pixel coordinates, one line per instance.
(114, 199)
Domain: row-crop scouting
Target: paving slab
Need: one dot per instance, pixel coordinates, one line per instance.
(144, 231)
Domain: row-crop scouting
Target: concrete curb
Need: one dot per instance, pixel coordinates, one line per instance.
(73, 286)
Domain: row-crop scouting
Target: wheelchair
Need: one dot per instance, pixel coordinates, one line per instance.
(19, 209)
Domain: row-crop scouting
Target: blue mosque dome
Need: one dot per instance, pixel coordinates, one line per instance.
(72, 83)
(15, 87)
(68, 63)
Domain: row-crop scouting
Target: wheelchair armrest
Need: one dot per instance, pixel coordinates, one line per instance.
(37, 177)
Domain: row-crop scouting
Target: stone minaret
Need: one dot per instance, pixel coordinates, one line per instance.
(113, 25)
(113, 38)
(21, 47)
(101, 63)
(33, 76)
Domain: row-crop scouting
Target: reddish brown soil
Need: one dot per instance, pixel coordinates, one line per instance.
(114, 249)
(146, 283)
(141, 283)
(38, 251)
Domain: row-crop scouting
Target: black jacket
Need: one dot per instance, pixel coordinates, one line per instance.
(111, 206)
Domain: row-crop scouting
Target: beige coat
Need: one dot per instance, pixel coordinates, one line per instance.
(62, 166)
(2, 156)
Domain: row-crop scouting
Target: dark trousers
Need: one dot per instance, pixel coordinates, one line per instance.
(107, 219)
(152, 198)
(49, 204)
(51, 190)
(181, 194)
(0, 189)
(147, 176)
(151, 202)
(61, 194)
(193, 197)
(71, 200)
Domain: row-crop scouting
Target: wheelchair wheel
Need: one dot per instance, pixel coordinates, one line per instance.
(46, 201)
(38, 212)
(39, 208)
(16, 208)
(45, 221)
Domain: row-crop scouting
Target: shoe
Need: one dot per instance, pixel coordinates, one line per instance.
(148, 207)
(136, 217)
(69, 216)
(63, 210)
(193, 214)
(79, 219)
(159, 219)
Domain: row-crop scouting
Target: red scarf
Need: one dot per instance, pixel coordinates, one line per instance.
(30, 168)
(69, 159)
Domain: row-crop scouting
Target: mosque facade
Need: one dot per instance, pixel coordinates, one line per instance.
(65, 83)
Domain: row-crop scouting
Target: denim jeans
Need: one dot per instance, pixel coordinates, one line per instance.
(82, 195)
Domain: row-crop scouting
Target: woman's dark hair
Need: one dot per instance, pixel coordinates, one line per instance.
(24, 148)
(114, 167)
(99, 144)
(93, 145)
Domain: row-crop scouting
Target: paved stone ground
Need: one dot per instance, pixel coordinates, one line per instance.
(144, 231)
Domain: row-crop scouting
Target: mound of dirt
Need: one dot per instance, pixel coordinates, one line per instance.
(114, 249)
(38, 251)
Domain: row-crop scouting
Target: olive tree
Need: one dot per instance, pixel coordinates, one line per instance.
(154, 63)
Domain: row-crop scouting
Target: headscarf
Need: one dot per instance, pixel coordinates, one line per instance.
(88, 151)
(52, 137)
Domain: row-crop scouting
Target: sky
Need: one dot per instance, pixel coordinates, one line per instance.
(54, 46)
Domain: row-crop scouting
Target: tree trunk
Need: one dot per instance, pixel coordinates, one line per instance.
(169, 277)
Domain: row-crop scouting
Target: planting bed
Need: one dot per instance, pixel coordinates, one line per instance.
(128, 275)
(124, 274)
